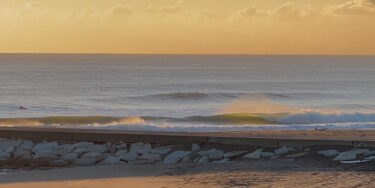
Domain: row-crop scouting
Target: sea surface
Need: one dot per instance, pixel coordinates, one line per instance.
(187, 92)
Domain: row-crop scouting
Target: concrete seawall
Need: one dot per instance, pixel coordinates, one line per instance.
(362, 138)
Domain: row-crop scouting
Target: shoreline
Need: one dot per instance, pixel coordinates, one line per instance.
(266, 138)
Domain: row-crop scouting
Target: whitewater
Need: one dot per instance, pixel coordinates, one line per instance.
(187, 92)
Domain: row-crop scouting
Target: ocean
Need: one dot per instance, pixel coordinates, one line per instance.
(187, 92)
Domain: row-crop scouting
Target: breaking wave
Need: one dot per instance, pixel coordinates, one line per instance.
(308, 117)
(318, 117)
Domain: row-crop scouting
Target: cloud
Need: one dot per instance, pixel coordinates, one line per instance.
(31, 5)
(166, 10)
(356, 7)
(120, 10)
(251, 11)
(290, 12)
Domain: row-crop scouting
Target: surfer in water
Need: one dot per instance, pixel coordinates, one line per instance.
(22, 108)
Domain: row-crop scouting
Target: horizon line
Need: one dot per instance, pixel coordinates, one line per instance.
(74, 53)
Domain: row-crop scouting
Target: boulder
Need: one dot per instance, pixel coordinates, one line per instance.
(110, 160)
(4, 156)
(365, 152)
(203, 159)
(186, 159)
(79, 151)
(44, 147)
(346, 156)
(136, 146)
(151, 157)
(222, 161)
(45, 156)
(254, 155)
(27, 145)
(284, 150)
(127, 156)
(84, 161)
(206, 152)
(20, 152)
(69, 157)
(234, 154)
(96, 155)
(10, 149)
(296, 155)
(328, 153)
(370, 158)
(122, 146)
(96, 148)
(6, 143)
(176, 156)
(161, 151)
(267, 154)
(58, 163)
(62, 149)
(195, 147)
(215, 155)
(82, 144)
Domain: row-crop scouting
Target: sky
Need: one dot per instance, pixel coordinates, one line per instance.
(188, 26)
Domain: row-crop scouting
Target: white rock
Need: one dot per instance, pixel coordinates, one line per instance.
(108, 145)
(10, 149)
(45, 155)
(151, 157)
(27, 145)
(364, 152)
(283, 150)
(79, 151)
(69, 157)
(345, 156)
(267, 154)
(203, 159)
(95, 148)
(96, 155)
(58, 163)
(110, 160)
(254, 155)
(186, 159)
(195, 147)
(137, 146)
(196, 159)
(222, 161)
(44, 147)
(121, 146)
(147, 146)
(176, 156)
(84, 161)
(215, 155)
(370, 158)
(82, 144)
(328, 153)
(63, 149)
(127, 156)
(160, 151)
(19, 152)
(4, 156)
(234, 154)
(206, 152)
(6, 143)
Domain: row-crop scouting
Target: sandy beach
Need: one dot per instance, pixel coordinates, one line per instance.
(303, 167)
(274, 173)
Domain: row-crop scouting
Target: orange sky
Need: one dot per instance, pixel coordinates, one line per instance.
(189, 26)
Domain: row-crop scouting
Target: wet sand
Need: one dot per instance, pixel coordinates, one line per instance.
(270, 173)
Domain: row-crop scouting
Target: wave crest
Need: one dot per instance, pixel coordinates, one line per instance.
(318, 117)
